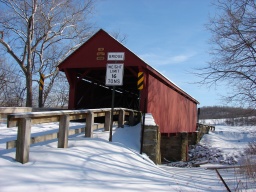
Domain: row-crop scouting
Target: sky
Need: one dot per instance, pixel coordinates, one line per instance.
(169, 35)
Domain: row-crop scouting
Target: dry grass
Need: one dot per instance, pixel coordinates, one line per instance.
(250, 161)
(246, 173)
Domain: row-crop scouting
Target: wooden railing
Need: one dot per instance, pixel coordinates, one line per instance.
(25, 120)
(203, 129)
(4, 111)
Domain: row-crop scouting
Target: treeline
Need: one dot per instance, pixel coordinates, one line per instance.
(234, 116)
(223, 112)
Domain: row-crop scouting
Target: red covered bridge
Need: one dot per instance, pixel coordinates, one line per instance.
(173, 109)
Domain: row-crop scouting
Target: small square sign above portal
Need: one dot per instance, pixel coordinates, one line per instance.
(115, 56)
(114, 74)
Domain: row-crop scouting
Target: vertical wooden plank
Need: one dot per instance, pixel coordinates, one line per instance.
(63, 131)
(23, 140)
(131, 118)
(107, 121)
(89, 124)
(121, 118)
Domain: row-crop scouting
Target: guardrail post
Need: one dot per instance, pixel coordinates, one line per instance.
(121, 118)
(131, 118)
(107, 121)
(63, 131)
(89, 124)
(23, 140)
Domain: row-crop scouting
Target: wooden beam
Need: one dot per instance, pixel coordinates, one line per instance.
(107, 120)
(121, 118)
(63, 131)
(89, 124)
(23, 140)
(131, 118)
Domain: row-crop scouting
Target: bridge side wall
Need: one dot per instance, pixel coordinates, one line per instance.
(172, 111)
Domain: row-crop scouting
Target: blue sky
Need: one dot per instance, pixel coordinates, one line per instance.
(170, 35)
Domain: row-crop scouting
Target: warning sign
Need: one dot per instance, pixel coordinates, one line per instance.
(114, 74)
(140, 80)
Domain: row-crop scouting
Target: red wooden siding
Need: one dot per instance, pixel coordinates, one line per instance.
(86, 55)
(172, 111)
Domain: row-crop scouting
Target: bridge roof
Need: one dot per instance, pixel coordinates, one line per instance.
(93, 55)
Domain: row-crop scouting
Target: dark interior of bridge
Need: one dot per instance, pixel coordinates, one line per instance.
(93, 93)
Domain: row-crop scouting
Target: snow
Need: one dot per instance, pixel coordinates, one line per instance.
(95, 164)
(149, 120)
(234, 140)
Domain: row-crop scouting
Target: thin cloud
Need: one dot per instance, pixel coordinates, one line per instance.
(160, 60)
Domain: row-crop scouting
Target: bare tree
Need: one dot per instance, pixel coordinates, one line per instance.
(60, 92)
(3, 76)
(233, 51)
(37, 34)
(119, 36)
(12, 90)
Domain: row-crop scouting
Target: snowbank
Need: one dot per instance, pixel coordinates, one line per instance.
(94, 164)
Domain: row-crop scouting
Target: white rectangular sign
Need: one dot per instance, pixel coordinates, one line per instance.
(115, 56)
(114, 74)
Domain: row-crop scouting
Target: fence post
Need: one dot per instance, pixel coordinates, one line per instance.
(131, 118)
(63, 131)
(121, 118)
(107, 121)
(23, 140)
(89, 124)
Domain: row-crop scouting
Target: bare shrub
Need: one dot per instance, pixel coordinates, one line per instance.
(250, 163)
(252, 148)
(247, 170)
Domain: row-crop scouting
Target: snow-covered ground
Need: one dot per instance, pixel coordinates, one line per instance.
(95, 164)
(224, 146)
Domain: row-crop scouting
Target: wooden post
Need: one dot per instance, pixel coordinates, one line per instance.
(23, 140)
(63, 131)
(131, 118)
(121, 118)
(107, 121)
(184, 146)
(89, 124)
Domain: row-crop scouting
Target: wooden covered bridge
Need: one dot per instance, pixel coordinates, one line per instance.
(173, 109)
(174, 112)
